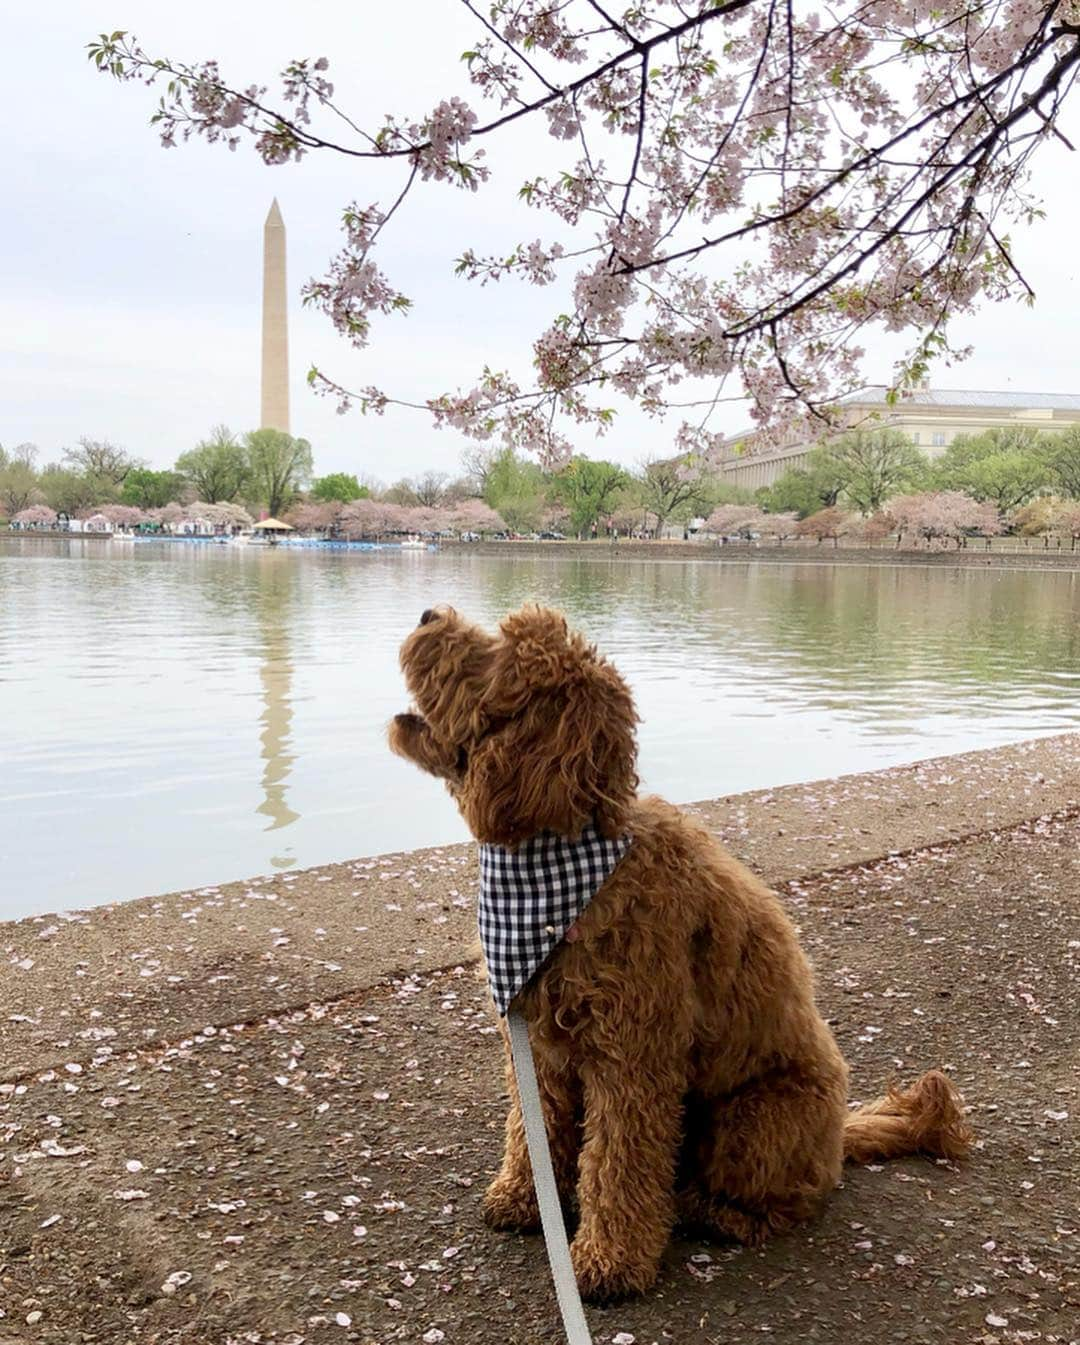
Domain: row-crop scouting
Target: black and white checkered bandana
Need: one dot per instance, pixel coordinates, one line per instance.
(529, 898)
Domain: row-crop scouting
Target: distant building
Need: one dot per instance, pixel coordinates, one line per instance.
(931, 417)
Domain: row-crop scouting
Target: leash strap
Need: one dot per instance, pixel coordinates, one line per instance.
(547, 1194)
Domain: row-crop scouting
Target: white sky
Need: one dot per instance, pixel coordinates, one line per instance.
(130, 276)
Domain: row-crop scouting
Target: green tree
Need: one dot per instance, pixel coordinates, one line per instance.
(716, 491)
(338, 487)
(1007, 479)
(279, 467)
(18, 479)
(588, 487)
(148, 489)
(802, 490)
(1061, 453)
(1007, 466)
(628, 511)
(516, 489)
(217, 467)
(68, 491)
(966, 449)
(870, 466)
(673, 488)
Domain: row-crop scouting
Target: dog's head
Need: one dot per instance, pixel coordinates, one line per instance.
(541, 727)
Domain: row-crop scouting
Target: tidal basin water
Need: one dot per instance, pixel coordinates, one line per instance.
(173, 716)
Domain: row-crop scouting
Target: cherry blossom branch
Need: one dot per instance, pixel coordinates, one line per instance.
(866, 161)
(511, 48)
(1065, 63)
(848, 168)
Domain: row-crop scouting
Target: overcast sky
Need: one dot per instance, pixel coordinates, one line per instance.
(130, 276)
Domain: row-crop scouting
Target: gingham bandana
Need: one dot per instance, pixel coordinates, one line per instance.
(529, 898)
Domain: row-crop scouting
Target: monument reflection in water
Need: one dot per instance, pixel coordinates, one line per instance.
(272, 610)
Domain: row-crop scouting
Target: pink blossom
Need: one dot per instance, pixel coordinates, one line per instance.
(36, 516)
(563, 120)
(372, 519)
(731, 520)
(943, 516)
(121, 515)
(780, 526)
(474, 516)
(314, 517)
(216, 517)
(439, 140)
(168, 516)
(830, 523)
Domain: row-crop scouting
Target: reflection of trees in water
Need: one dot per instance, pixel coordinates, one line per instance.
(959, 625)
(842, 627)
(592, 590)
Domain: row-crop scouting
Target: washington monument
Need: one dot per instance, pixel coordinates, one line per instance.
(275, 326)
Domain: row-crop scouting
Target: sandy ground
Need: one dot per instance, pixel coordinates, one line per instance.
(264, 1113)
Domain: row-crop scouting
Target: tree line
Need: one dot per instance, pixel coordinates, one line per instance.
(856, 475)
(847, 487)
(866, 485)
(864, 468)
(592, 495)
(263, 469)
(270, 470)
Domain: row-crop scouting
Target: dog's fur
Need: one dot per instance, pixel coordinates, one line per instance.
(685, 1071)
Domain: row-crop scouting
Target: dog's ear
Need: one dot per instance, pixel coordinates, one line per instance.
(561, 749)
(539, 654)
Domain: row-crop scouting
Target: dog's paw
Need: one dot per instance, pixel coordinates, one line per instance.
(403, 732)
(605, 1278)
(408, 722)
(509, 1209)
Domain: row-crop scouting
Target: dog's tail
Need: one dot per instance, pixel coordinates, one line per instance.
(926, 1118)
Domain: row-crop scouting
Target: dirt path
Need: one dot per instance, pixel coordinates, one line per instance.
(162, 967)
(313, 1176)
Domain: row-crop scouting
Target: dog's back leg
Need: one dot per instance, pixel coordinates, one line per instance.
(763, 1158)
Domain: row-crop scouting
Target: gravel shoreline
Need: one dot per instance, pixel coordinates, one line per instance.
(205, 1095)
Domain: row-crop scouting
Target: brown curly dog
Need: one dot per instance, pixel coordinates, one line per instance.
(686, 1074)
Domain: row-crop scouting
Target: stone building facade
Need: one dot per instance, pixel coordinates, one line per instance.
(931, 417)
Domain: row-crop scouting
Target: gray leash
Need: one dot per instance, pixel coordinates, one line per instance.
(547, 1194)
